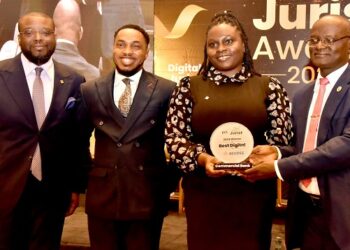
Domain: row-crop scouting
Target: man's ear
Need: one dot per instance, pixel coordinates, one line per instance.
(81, 33)
(16, 34)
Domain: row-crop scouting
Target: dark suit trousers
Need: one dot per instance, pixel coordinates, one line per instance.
(36, 223)
(316, 234)
(109, 234)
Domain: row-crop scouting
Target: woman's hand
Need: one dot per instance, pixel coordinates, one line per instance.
(208, 161)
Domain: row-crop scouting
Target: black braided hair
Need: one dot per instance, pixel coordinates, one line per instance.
(227, 16)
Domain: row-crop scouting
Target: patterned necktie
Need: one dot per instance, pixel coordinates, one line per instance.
(310, 142)
(124, 102)
(39, 108)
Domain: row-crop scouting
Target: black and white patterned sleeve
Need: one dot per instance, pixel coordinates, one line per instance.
(278, 111)
(183, 152)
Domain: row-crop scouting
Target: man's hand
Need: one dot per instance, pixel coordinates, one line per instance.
(263, 153)
(74, 203)
(264, 170)
(262, 158)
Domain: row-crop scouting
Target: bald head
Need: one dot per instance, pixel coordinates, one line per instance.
(334, 20)
(67, 20)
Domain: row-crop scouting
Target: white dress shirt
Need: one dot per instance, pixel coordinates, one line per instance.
(119, 86)
(47, 77)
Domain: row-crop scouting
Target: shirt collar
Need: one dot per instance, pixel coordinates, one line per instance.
(133, 79)
(334, 76)
(219, 78)
(29, 67)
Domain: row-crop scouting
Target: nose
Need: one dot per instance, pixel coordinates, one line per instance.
(127, 50)
(37, 35)
(220, 47)
(320, 44)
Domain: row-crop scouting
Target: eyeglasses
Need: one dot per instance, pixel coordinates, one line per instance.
(327, 41)
(30, 32)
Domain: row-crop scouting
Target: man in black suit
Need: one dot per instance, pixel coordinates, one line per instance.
(319, 200)
(40, 154)
(129, 183)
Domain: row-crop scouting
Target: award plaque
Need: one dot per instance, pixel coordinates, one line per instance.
(231, 143)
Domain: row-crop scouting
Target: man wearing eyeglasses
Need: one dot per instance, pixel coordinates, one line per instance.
(318, 164)
(40, 154)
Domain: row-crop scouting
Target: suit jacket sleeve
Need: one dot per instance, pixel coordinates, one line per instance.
(332, 153)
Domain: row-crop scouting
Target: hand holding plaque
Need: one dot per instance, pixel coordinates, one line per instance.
(231, 143)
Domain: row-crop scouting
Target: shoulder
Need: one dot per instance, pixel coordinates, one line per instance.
(66, 71)
(264, 80)
(300, 92)
(102, 81)
(193, 81)
(270, 83)
(162, 82)
(158, 78)
(10, 64)
(5, 62)
(4, 65)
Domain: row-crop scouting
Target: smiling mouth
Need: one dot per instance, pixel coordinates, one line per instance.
(39, 47)
(320, 55)
(223, 57)
(127, 60)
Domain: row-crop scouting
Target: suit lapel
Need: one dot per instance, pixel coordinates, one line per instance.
(104, 89)
(142, 98)
(16, 83)
(334, 100)
(61, 91)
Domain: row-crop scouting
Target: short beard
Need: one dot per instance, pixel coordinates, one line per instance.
(131, 72)
(38, 60)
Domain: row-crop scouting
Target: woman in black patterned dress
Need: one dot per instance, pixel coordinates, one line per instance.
(223, 210)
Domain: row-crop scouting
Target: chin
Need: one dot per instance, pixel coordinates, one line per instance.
(128, 71)
(37, 59)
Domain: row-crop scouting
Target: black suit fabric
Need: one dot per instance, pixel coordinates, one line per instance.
(130, 181)
(330, 162)
(62, 153)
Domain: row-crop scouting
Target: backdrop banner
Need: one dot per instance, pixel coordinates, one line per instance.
(277, 32)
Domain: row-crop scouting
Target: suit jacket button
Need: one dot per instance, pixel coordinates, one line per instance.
(152, 121)
(100, 123)
(115, 167)
(30, 157)
(141, 168)
(119, 144)
(137, 144)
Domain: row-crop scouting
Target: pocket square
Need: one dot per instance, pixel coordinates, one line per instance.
(70, 103)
